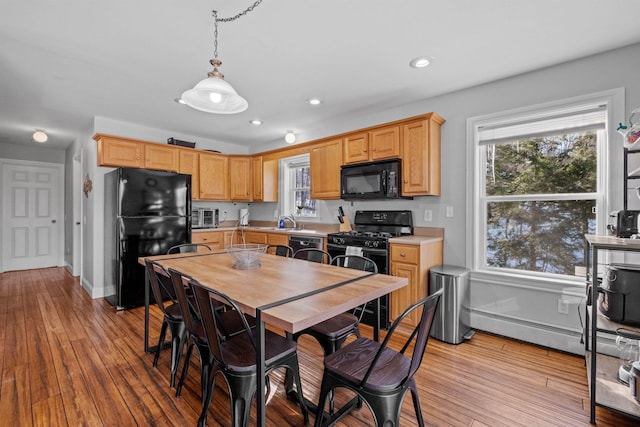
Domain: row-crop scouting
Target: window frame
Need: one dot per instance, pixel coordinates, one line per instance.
(608, 192)
(289, 165)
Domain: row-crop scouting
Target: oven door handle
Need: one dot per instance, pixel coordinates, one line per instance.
(365, 249)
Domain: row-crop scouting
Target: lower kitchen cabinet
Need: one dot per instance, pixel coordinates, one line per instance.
(413, 261)
(214, 239)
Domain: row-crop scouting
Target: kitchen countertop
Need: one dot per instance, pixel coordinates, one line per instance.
(407, 240)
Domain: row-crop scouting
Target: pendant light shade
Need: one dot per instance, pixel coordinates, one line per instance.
(214, 95)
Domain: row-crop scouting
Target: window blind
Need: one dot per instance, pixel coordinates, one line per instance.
(585, 119)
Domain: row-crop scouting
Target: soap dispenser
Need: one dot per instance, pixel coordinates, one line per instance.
(281, 223)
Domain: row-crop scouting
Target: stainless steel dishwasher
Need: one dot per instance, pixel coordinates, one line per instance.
(304, 242)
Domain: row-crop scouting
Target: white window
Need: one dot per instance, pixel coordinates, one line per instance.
(540, 180)
(297, 188)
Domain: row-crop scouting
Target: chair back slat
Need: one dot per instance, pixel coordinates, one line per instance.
(313, 255)
(187, 247)
(207, 300)
(355, 262)
(189, 310)
(420, 334)
(161, 285)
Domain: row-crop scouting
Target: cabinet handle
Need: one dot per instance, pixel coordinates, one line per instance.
(405, 181)
(365, 150)
(402, 254)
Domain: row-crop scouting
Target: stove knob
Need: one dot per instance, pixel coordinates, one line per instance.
(375, 244)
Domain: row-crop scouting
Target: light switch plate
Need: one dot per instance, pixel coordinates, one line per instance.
(449, 211)
(428, 215)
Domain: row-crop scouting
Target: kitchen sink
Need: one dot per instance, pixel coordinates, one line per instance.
(287, 230)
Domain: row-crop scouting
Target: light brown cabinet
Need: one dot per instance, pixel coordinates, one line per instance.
(131, 153)
(377, 144)
(325, 162)
(119, 152)
(188, 164)
(214, 176)
(257, 237)
(265, 180)
(413, 262)
(421, 156)
(161, 157)
(240, 179)
(214, 239)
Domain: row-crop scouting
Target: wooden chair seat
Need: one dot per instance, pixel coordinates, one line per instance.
(337, 326)
(391, 369)
(239, 351)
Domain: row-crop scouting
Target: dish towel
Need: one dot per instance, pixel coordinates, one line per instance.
(352, 250)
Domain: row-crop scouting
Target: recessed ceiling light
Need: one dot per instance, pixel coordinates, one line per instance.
(179, 101)
(255, 122)
(314, 101)
(420, 62)
(40, 136)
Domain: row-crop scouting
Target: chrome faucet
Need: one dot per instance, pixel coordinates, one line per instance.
(291, 219)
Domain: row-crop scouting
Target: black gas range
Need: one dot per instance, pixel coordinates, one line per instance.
(370, 238)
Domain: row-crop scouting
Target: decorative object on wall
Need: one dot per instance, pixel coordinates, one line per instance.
(87, 186)
(214, 94)
(631, 133)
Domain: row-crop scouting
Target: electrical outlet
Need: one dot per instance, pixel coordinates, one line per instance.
(449, 211)
(428, 215)
(563, 306)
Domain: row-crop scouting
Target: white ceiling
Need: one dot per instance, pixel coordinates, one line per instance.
(64, 62)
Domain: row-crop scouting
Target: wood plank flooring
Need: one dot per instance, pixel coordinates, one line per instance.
(67, 360)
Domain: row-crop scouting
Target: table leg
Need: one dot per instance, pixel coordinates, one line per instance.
(146, 312)
(260, 371)
(376, 326)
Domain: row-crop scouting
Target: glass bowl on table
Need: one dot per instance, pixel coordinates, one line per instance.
(246, 255)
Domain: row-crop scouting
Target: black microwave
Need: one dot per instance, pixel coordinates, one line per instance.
(375, 180)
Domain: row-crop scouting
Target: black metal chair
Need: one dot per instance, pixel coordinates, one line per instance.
(162, 288)
(379, 375)
(280, 250)
(313, 255)
(332, 333)
(187, 247)
(235, 358)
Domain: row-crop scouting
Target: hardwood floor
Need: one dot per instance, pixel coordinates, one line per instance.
(68, 360)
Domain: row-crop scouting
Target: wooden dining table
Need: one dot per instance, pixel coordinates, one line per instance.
(285, 293)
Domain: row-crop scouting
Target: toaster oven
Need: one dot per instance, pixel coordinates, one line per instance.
(204, 218)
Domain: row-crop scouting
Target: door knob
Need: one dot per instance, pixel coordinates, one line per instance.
(53, 221)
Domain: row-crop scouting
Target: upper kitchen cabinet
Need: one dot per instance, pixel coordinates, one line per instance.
(421, 156)
(119, 152)
(265, 180)
(377, 144)
(214, 176)
(240, 180)
(188, 164)
(325, 162)
(161, 157)
(124, 152)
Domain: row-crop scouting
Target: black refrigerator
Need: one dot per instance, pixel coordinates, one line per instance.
(146, 213)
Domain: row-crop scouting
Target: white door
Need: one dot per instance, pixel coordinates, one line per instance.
(31, 216)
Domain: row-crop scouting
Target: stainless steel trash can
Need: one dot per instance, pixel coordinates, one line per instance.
(452, 321)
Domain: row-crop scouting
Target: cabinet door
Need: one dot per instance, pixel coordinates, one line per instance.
(255, 237)
(403, 297)
(325, 162)
(214, 176)
(277, 239)
(118, 152)
(385, 143)
(421, 158)
(240, 180)
(230, 238)
(188, 163)
(356, 148)
(161, 157)
(265, 180)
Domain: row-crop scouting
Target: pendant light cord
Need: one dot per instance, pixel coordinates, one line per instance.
(233, 18)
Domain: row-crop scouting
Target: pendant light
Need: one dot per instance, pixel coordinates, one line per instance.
(214, 94)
